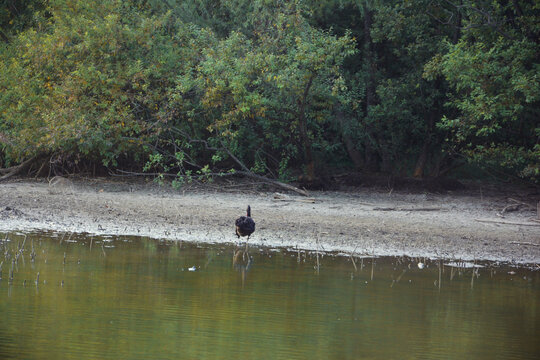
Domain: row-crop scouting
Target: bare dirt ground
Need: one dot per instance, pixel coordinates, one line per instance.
(363, 221)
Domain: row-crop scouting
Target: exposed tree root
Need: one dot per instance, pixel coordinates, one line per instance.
(243, 173)
(14, 170)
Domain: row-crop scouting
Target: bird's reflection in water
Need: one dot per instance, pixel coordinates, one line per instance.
(242, 262)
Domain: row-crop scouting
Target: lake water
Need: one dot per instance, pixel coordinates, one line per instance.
(136, 298)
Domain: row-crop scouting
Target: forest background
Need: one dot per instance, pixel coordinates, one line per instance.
(290, 90)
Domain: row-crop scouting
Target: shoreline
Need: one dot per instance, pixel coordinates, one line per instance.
(367, 222)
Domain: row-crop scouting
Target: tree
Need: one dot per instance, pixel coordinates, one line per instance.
(16, 16)
(272, 87)
(268, 93)
(389, 111)
(89, 82)
(493, 71)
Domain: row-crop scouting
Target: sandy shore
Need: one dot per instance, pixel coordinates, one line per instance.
(369, 222)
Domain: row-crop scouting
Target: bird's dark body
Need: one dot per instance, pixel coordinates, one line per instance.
(245, 226)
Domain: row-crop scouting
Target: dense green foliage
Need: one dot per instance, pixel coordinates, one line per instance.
(281, 88)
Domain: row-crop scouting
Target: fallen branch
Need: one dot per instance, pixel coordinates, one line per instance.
(514, 207)
(509, 208)
(273, 182)
(365, 203)
(249, 173)
(406, 209)
(243, 173)
(522, 203)
(281, 197)
(310, 200)
(506, 222)
(524, 243)
(245, 170)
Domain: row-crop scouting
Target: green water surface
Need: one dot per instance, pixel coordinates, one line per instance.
(134, 298)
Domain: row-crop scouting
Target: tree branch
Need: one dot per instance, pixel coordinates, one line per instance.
(4, 37)
(484, 14)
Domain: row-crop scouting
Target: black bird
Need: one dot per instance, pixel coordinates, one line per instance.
(245, 226)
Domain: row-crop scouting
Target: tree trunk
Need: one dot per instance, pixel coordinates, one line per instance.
(354, 154)
(370, 154)
(457, 32)
(306, 142)
(4, 37)
(519, 11)
(422, 159)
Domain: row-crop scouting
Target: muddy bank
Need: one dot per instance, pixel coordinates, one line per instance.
(369, 222)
